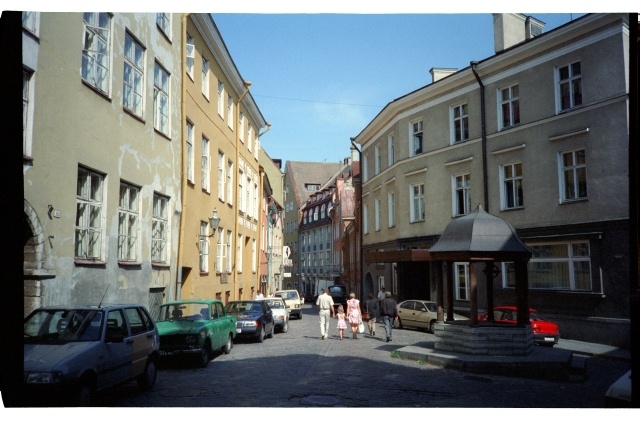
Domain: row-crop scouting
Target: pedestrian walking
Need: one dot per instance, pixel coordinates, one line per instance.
(325, 304)
(259, 295)
(389, 313)
(342, 324)
(354, 314)
(371, 307)
(381, 294)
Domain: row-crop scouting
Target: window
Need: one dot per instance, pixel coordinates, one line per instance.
(569, 86)
(377, 213)
(254, 256)
(239, 260)
(460, 123)
(88, 228)
(133, 90)
(220, 251)
(221, 99)
(573, 175)
(161, 99)
(27, 112)
(365, 168)
(230, 182)
(221, 176)
(555, 266)
(462, 280)
(191, 55)
(164, 23)
(461, 194)
(323, 210)
(247, 203)
(230, 114)
(378, 160)
(417, 203)
(30, 21)
(128, 218)
(96, 50)
(241, 191)
(511, 176)
(315, 213)
(190, 153)
(365, 219)
(205, 78)
(159, 229)
(416, 138)
(241, 126)
(205, 165)
(509, 107)
(229, 257)
(390, 150)
(203, 246)
(391, 199)
(249, 136)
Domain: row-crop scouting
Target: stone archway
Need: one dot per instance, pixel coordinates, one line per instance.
(34, 259)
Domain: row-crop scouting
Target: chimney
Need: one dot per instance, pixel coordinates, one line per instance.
(510, 29)
(439, 73)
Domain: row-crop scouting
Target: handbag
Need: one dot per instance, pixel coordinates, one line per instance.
(366, 316)
(361, 327)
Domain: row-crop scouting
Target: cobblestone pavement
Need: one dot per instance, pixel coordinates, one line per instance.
(299, 369)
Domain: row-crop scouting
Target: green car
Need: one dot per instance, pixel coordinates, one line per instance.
(196, 329)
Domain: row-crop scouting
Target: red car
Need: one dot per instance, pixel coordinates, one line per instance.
(544, 332)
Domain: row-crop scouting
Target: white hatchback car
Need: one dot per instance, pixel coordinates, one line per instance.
(280, 313)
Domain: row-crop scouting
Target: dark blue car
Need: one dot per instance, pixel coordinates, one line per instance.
(254, 319)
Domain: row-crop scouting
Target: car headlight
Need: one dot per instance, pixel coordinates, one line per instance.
(191, 339)
(44, 377)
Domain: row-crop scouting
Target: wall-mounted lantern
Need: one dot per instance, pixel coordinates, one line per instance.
(214, 221)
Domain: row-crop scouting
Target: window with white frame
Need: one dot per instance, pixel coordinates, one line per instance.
(240, 254)
(461, 271)
(128, 222)
(241, 191)
(205, 167)
(509, 99)
(564, 266)
(221, 99)
(391, 200)
(365, 219)
(461, 194)
(315, 213)
(220, 251)
(31, 22)
(247, 203)
(365, 168)
(416, 138)
(159, 229)
(89, 226)
(164, 23)
(133, 90)
(249, 136)
(378, 160)
(460, 121)
(416, 213)
(229, 258)
(511, 193)
(254, 256)
(96, 50)
(391, 154)
(573, 175)
(27, 112)
(241, 126)
(221, 177)
(377, 213)
(203, 246)
(255, 197)
(230, 182)
(569, 89)
(323, 211)
(205, 78)
(191, 55)
(190, 152)
(161, 99)
(230, 114)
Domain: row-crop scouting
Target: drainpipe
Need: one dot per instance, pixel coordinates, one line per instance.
(361, 282)
(183, 175)
(484, 137)
(247, 84)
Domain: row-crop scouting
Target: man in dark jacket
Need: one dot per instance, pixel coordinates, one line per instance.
(389, 313)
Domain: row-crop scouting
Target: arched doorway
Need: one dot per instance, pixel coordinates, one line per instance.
(34, 260)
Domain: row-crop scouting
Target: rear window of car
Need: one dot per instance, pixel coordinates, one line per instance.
(337, 290)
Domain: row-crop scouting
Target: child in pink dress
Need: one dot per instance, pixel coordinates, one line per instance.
(342, 324)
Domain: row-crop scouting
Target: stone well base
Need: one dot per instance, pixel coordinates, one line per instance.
(483, 339)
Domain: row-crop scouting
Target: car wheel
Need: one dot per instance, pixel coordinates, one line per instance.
(148, 377)
(285, 327)
(227, 347)
(205, 355)
(84, 394)
(431, 326)
(397, 323)
(300, 315)
(273, 328)
(261, 335)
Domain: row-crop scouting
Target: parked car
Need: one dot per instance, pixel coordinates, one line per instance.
(293, 301)
(309, 297)
(73, 352)
(420, 314)
(254, 318)
(544, 332)
(280, 313)
(339, 295)
(196, 329)
(618, 395)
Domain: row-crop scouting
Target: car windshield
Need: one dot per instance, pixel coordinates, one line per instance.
(63, 326)
(184, 311)
(337, 290)
(276, 304)
(287, 295)
(235, 307)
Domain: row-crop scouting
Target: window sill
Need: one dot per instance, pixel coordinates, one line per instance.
(161, 265)
(89, 262)
(134, 115)
(204, 273)
(159, 132)
(129, 264)
(569, 202)
(517, 208)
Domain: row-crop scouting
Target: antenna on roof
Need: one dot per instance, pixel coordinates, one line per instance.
(105, 293)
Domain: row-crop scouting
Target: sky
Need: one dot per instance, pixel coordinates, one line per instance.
(319, 79)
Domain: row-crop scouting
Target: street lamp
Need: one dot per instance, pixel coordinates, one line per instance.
(214, 221)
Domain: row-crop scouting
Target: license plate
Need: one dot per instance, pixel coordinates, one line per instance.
(166, 353)
(548, 339)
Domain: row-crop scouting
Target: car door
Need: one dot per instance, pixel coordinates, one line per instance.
(140, 339)
(406, 312)
(423, 315)
(221, 324)
(118, 353)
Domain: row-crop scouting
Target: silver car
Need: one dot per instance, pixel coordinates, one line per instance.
(73, 352)
(420, 314)
(280, 311)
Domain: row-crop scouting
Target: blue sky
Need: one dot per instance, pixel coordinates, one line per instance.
(319, 79)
